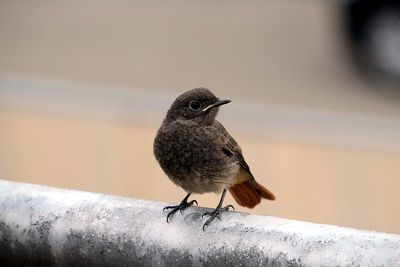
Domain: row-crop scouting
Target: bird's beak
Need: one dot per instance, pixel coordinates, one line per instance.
(217, 104)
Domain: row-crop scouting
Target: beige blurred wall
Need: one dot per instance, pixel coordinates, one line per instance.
(270, 52)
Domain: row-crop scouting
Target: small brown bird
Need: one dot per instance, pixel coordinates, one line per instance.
(198, 154)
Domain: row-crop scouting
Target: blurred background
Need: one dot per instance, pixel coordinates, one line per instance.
(84, 86)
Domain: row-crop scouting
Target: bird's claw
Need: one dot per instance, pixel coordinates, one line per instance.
(229, 206)
(168, 207)
(215, 214)
(182, 206)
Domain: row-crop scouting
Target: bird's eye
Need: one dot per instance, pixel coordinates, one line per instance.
(194, 105)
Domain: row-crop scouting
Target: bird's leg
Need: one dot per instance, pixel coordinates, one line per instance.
(218, 210)
(183, 205)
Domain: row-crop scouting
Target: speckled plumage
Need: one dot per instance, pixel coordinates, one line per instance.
(190, 149)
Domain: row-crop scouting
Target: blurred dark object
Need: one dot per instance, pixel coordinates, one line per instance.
(373, 28)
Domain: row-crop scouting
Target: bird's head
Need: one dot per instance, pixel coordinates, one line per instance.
(198, 104)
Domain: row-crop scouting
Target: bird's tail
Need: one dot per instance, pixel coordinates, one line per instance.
(249, 193)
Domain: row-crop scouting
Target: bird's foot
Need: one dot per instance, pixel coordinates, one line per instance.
(215, 214)
(183, 205)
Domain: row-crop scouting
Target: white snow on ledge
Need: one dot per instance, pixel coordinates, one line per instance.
(40, 224)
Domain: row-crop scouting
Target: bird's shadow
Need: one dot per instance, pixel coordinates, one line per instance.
(193, 216)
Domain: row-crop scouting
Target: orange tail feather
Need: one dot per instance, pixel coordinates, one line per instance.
(264, 192)
(248, 195)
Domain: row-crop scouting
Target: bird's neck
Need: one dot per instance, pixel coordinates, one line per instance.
(195, 122)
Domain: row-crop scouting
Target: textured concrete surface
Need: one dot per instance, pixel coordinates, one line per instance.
(44, 226)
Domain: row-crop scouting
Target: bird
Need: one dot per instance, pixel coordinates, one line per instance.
(198, 154)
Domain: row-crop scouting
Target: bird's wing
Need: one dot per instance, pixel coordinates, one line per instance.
(247, 192)
(231, 148)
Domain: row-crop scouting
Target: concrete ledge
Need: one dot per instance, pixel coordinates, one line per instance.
(45, 226)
